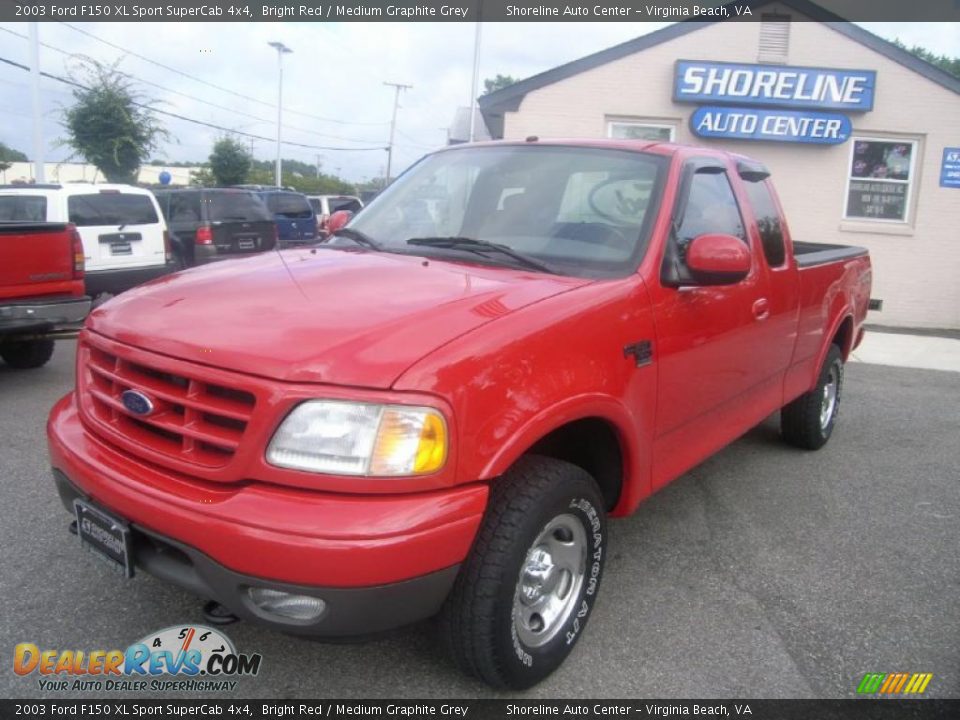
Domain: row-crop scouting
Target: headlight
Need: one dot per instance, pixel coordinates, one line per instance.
(345, 438)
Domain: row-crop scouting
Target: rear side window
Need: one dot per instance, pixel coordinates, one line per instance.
(23, 208)
(226, 206)
(769, 222)
(184, 207)
(711, 208)
(289, 205)
(107, 208)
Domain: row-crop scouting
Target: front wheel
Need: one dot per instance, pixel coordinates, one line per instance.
(809, 420)
(27, 354)
(525, 593)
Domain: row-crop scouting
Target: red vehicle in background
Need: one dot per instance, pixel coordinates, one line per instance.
(41, 289)
(437, 410)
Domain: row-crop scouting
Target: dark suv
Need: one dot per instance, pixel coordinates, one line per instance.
(216, 223)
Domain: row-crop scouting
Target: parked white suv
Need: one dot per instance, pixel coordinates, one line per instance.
(124, 235)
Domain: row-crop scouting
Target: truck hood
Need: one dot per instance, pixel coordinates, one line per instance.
(340, 316)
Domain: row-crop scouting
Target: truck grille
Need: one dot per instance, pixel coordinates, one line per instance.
(193, 420)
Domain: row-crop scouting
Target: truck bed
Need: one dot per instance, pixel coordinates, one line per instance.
(809, 254)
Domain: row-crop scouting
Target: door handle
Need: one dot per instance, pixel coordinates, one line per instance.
(761, 309)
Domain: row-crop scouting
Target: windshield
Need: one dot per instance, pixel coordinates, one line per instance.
(581, 211)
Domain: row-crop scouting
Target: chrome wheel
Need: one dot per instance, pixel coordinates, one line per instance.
(550, 580)
(829, 402)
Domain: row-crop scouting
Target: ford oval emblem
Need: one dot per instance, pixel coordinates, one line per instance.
(137, 402)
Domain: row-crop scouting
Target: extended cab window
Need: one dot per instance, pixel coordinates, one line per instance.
(769, 222)
(23, 208)
(111, 208)
(711, 208)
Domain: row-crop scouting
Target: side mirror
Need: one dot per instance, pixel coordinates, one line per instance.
(338, 220)
(716, 259)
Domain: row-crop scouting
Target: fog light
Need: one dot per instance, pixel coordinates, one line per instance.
(290, 605)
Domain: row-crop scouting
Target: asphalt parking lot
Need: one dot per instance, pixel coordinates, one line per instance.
(766, 572)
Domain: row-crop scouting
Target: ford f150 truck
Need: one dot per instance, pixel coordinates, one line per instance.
(41, 289)
(436, 411)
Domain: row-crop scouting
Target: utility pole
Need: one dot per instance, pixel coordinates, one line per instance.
(39, 172)
(281, 51)
(393, 123)
(318, 166)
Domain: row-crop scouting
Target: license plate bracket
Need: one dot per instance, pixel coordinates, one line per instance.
(106, 536)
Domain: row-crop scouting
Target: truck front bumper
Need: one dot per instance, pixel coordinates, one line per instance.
(381, 567)
(34, 314)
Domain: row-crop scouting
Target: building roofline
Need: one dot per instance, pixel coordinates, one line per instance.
(508, 99)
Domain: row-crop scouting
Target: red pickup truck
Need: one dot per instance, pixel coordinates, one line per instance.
(436, 411)
(41, 289)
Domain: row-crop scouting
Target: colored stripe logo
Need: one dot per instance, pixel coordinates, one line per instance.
(894, 683)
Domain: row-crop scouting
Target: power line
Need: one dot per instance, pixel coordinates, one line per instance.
(194, 120)
(233, 111)
(212, 85)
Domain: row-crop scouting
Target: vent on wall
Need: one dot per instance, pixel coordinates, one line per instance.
(774, 38)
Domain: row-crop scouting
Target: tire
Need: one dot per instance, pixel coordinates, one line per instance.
(809, 420)
(27, 354)
(542, 512)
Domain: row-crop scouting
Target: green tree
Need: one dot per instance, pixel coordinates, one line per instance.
(111, 124)
(229, 162)
(498, 83)
(203, 178)
(944, 62)
(8, 156)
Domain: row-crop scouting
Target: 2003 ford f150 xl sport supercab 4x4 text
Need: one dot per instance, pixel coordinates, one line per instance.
(435, 411)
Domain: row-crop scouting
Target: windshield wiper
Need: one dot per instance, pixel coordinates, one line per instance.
(358, 237)
(482, 247)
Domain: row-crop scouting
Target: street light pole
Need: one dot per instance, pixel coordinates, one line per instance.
(39, 171)
(281, 51)
(393, 122)
(474, 83)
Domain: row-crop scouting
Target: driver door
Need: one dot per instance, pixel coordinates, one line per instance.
(703, 332)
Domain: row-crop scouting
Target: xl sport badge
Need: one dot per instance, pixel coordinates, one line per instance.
(137, 402)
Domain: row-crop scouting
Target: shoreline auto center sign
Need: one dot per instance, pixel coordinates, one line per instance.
(778, 103)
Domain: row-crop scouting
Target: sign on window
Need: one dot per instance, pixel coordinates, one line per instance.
(880, 177)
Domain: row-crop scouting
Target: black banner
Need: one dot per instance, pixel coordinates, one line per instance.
(467, 10)
(482, 709)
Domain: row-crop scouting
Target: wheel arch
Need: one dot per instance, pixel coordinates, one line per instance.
(593, 436)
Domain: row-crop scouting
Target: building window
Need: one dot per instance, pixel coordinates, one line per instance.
(880, 179)
(631, 130)
(774, 38)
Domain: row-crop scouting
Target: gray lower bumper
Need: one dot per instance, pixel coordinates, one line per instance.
(49, 314)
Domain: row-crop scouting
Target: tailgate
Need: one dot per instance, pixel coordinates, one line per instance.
(243, 237)
(34, 254)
